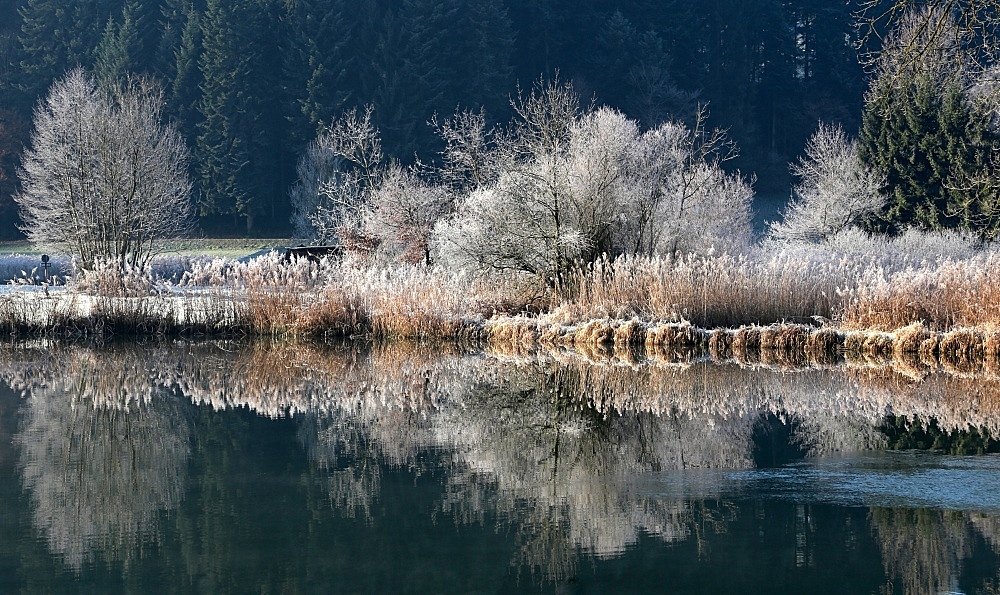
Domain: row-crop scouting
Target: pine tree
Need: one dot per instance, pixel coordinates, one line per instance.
(241, 170)
(57, 35)
(481, 46)
(170, 29)
(184, 92)
(319, 58)
(118, 52)
(930, 139)
(225, 143)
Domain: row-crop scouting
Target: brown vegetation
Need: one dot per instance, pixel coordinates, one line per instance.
(724, 307)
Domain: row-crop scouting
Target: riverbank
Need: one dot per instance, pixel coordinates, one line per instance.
(790, 305)
(292, 316)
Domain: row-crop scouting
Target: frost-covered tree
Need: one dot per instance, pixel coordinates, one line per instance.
(401, 215)
(599, 152)
(835, 190)
(348, 193)
(573, 184)
(522, 222)
(317, 166)
(103, 177)
(337, 175)
(560, 185)
(974, 20)
(683, 200)
(468, 160)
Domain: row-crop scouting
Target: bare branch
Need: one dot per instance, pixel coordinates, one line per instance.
(104, 177)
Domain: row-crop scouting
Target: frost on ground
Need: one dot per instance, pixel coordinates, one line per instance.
(851, 280)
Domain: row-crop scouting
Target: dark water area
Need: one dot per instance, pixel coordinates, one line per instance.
(227, 467)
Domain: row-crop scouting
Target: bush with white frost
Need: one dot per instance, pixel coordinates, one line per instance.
(349, 193)
(573, 184)
(558, 186)
(400, 216)
(103, 177)
(337, 175)
(835, 190)
(681, 200)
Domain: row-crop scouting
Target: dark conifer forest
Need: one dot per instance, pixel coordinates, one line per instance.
(250, 82)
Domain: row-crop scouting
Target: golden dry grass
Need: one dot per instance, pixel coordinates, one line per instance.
(940, 296)
(720, 344)
(867, 309)
(630, 333)
(708, 291)
(825, 346)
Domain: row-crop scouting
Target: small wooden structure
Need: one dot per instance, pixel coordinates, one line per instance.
(313, 253)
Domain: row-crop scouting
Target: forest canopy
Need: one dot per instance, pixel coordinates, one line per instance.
(249, 83)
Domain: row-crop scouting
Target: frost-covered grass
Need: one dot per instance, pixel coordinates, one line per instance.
(27, 268)
(262, 296)
(941, 280)
(851, 282)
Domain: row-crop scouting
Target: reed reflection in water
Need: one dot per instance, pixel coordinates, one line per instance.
(548, 444)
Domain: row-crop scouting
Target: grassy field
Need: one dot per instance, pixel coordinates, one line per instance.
(223, 247)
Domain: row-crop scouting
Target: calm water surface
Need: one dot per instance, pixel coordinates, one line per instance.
(226, 467)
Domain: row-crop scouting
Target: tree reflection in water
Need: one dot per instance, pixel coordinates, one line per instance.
(103, 453)
(547, 444)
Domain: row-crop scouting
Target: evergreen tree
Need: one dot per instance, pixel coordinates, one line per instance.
(243, 169)
(118, 51)
(319, 59)
(9, 67)
(229, 109)
(384, 79)
(826, 65)
(57, 35)
(170, 29)
(481, 53)
(931, 140)
(184, 92)
(434, 56)
(633, 71)
(14, 134)
(430, 67)
(553, 35)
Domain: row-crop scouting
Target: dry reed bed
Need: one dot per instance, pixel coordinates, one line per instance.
(712, 291)
(915, 347)
(865, 291)
(944, 295)
(266, 297)
(661, 302)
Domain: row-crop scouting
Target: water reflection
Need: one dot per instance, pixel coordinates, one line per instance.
(101, 454)
(545, 448)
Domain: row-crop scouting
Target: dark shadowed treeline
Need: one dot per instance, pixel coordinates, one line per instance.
(250, 82)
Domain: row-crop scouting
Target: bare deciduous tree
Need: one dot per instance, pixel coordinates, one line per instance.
(700, 206)
(573, 184)
(974, 20)
(402, 213)
(349, 193)
(316, 167)
(835, 189)
(469, 160)
(104, 177)
(337, 176)
(521, 221)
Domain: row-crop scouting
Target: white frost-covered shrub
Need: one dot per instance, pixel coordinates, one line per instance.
(571, 191)
(835, 189)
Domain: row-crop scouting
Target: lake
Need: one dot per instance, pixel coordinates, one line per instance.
(227, 466)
